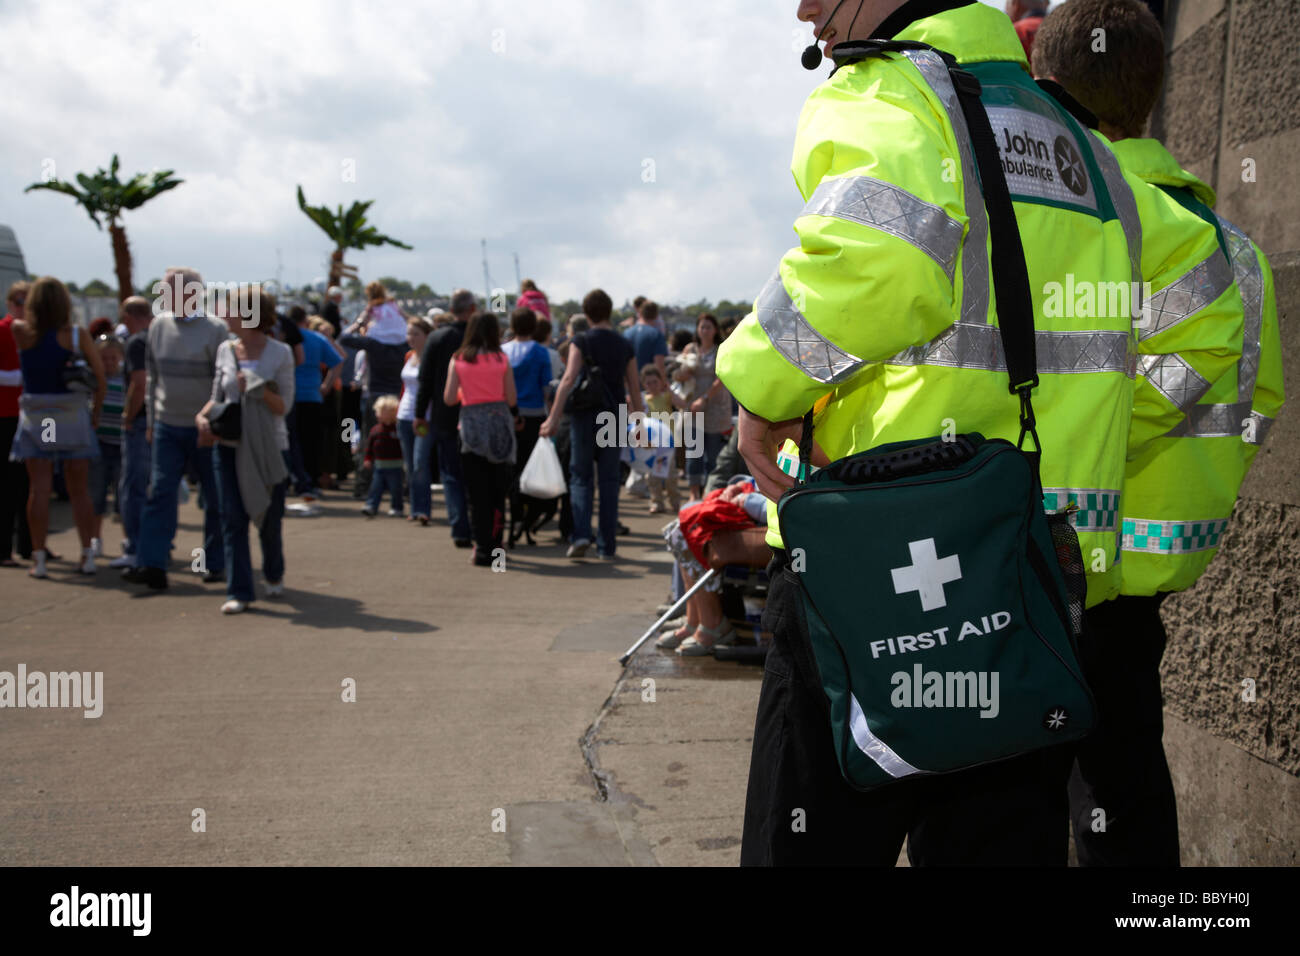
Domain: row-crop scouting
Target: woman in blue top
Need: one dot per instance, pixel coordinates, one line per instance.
(55, 422)
(307, 416)
(533, 372)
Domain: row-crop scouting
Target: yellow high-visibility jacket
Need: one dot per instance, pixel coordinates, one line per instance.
(1180, 489)
(886, 303)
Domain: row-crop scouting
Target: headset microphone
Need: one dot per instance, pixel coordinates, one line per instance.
(812, 54)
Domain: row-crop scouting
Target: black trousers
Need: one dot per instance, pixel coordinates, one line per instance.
(486, 487)
(563, 443)
(349, 408)
(524, 508)
(1122, 802)
(13, 495)
(331, 433)
(800, 811)
(311, 438)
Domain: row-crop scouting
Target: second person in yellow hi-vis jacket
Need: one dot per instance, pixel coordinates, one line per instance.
(882, 317)
(1179, 488)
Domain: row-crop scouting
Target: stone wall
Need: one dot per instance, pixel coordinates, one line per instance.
(1232, 106)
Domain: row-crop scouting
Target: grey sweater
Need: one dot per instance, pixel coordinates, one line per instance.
(180, 361)
(259, 466)
(275, 364)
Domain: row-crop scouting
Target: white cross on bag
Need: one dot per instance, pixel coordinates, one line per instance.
(927, 574)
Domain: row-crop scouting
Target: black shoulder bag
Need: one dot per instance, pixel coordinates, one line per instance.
(590, 394)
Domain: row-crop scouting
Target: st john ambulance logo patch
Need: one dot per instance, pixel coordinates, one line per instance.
(1070, 165)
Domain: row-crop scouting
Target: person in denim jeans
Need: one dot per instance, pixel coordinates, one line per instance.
(181, 361)
(444, 420)
(617, 362)
(133, 486)
(416, 448)
(384, 456)
(256, 372)
(106, 471)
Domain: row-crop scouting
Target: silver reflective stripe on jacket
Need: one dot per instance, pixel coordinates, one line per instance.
(974, 256)
(890, 209)
(972, 345)
(1121, 197)
(1187, 295)
(794, 337)
(1173, 378)
(1222, 420)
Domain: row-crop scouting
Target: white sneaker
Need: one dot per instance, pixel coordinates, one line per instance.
(125, 561)
(275, 590)
(87, 560)
(97, 546)
(234, 607)
(394, 513)
(578, 549)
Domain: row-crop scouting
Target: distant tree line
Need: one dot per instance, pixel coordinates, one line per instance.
(422, 294)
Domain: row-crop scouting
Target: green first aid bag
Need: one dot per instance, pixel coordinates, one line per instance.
(941, 602)
(938, 613)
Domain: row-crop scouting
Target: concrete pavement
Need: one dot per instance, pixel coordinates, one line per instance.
(474, 691)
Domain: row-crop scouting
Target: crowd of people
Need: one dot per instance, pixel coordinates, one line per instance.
(264, 411)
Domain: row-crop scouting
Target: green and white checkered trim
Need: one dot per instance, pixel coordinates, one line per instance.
(1098, 507)
(1172, 537)
(789, 463)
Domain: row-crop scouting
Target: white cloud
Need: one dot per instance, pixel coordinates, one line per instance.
(525, 123)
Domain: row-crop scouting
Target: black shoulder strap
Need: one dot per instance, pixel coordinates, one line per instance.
(582, 340)
(1056, 91)
(1015, 304)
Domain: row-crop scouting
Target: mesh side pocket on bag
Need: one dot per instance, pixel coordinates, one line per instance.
(1068, 555)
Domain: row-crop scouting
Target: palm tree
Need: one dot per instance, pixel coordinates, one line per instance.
(347, 230)
(105, 194)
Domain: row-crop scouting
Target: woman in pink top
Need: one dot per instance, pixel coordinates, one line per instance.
(481, 381)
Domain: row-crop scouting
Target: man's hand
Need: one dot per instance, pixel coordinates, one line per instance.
(758, 442)
(549, 428)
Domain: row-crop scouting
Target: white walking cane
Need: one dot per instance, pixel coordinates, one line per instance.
(704, 579)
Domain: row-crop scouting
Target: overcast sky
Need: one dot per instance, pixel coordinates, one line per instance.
(639, 145)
